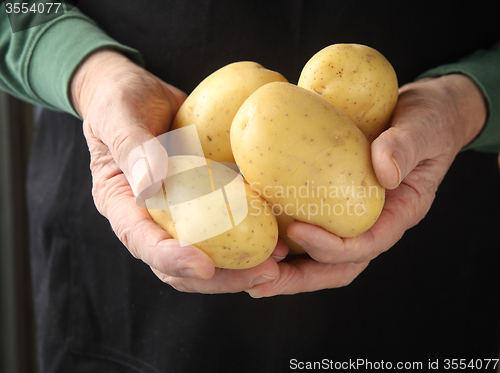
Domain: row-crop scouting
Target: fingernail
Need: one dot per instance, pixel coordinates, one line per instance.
(397, 158)
(277, 258)
(140, 176)
(148, 166)
(300, 242)
(192, 273)
(261, 280)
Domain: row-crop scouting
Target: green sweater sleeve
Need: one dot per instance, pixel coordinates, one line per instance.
(484, 68)
(38, 63)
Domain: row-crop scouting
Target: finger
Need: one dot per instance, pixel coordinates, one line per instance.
(144, 160)
(321, 245)
(148, 242)
(404, 207)
(280, 252)
(130, 132)
(306, 275)
(225, 280)
(133, 225)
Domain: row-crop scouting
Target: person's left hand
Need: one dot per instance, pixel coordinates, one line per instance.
(433, 120)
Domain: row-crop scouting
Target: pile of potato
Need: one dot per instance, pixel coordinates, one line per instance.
(303, 150)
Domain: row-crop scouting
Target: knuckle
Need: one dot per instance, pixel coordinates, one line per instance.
(118, 140)
(346, 281)
(178, 284)
(127, 233)
(328, 256)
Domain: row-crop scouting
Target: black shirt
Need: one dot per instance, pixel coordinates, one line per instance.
(433, 295)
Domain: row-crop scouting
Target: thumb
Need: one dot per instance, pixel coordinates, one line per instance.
(123, 107)
(129, 134)
(138, 154)
(396, 152)
(146, 167)
(147, 161)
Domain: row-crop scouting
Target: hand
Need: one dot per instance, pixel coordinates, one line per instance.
(124, 107)
(433, 120)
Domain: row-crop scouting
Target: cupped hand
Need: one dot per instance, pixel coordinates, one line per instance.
(124, 108)
(433, 120)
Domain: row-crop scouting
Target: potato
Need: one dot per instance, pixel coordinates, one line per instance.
(356, 79)
(307, 159)
(214, 102)
(213, 209)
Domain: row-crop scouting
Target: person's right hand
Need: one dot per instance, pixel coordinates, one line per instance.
(124, 107)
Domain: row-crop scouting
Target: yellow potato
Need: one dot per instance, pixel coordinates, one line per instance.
(356, 79)
(214, 102)
(307, 159)
(212, 208)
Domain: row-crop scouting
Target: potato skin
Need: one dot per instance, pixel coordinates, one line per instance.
(307, 158)
(356, 79)
(245, 245)
(214, 102)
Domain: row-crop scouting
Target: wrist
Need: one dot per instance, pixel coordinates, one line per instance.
(91, 72)
(470, 106)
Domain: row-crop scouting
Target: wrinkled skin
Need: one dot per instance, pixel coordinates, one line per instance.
(433, 120)
(123, 106)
